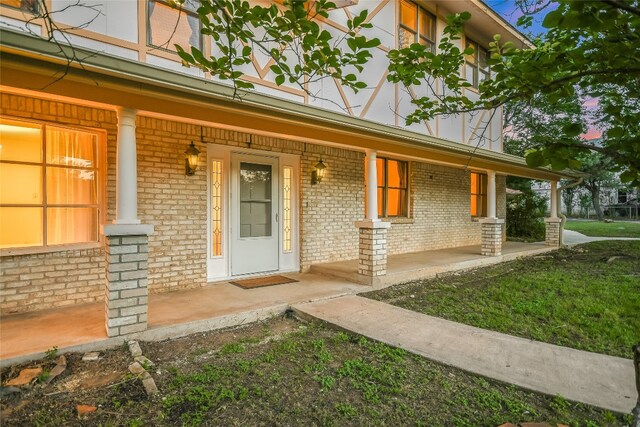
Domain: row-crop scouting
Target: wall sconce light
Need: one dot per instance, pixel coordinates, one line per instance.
(191, 160)
(318, 173)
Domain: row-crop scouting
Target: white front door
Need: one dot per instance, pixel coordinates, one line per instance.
(254, 214)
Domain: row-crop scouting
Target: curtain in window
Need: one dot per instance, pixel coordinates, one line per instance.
(71, 186)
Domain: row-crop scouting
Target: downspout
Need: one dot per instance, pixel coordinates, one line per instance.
(559, 207)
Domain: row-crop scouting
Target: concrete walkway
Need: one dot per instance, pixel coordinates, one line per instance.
(599, 380)
(574, 238)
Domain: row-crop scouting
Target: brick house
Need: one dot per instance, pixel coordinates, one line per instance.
(97, 200)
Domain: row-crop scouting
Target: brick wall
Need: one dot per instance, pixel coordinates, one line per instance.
(440, 210)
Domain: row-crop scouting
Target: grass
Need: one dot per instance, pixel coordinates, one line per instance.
(587, 297)
(603, 229)
(311, 376)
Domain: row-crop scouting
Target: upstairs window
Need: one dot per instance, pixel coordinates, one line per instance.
(168, 26)
(476, 67)
(393, 188)
(416, 26)
(29, 6)
(48, 185)
(478, 195)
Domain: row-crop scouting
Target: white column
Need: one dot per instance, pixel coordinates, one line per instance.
(372, 186)
(554, 199)
(491, 194)
(126, 169)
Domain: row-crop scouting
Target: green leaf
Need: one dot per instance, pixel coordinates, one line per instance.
(572, 129)
(552, 19)
(534, 159)
(280, 79)
(616, 132)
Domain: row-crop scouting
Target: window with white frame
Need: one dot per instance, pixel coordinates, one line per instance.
(476, 68)
(416, 26)
(168, 26)
(49, 185)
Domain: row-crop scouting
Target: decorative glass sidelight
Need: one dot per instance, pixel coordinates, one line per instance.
(286, 208)
(216, 208)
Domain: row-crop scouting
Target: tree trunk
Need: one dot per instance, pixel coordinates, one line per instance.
(595, 198)
(568, 201)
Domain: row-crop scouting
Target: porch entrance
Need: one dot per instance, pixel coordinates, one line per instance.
(254, 214)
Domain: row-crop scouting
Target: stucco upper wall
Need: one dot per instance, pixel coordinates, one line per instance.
(119, 27)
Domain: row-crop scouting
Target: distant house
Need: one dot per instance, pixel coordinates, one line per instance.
(132, 174)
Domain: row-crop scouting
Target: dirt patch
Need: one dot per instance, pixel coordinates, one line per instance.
(279, 372)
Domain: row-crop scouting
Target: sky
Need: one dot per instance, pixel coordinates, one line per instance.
(510, 11)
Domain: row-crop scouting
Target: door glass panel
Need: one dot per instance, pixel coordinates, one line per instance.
(255, 200)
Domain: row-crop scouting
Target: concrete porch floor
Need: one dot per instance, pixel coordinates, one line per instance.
(173, 314)
(422, 265)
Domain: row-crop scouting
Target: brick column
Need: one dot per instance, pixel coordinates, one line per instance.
(372, 260)
(126, 292)
(552, 234)
(491, 236)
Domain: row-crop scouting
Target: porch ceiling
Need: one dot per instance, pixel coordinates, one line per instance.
(31, 63)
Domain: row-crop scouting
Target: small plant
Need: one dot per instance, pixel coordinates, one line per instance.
(346, 410)
(44, 376)
(326, 382)
(234, 347)
(52, 353)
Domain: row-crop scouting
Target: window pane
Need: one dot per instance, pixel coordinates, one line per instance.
(408, 15)
(71, 186)
(483, 184)
(20, 142)
(70, 147)
(380, 171)
(20, 227)
(474, 183)
(72, 225)
(426, 24)
(473, 58)
(168, 27)
(474, 205)
(381, 202)
(255, 200)
(483, 56)
(20, 184)
(396, 202)
(30, 6)
(397, 174)
(407, 38)
(470, 74)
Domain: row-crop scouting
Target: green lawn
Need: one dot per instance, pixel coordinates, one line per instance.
(292, 374)
(587, 297)
(602, 229)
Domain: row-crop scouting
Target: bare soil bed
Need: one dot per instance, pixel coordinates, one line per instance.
(279, 372)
